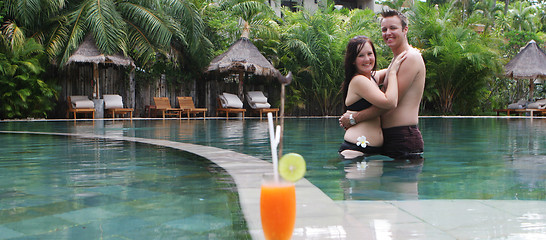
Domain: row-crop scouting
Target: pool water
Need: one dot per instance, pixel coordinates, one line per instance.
(54, 187)
(465, 158)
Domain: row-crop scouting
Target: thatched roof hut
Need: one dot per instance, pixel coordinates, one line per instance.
(88, 52)
(529, 63)
(243, 56)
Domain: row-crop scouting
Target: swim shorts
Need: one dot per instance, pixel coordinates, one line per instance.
(368, 150)
(405, 142)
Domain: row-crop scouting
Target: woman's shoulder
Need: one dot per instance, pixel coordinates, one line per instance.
(362, 82)
(360, 78)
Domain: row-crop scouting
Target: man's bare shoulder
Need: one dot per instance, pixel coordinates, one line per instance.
(414, 56)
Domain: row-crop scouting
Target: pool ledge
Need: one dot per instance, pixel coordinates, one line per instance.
(319, 217)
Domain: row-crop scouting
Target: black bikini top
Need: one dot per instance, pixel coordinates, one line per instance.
(361, 104)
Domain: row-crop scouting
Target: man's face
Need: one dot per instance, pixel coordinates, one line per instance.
(392, 31)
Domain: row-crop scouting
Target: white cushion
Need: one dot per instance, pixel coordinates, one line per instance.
(534, 105)
(522, 102)
(81, 102)
(260, 105)
(514, 106)
(256, 96)
(223, 100)
(112, 101)
(78, 98)
(231, 101)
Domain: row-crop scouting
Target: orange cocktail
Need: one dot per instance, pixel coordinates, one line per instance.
(278, 209)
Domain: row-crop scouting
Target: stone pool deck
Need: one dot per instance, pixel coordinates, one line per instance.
(319, 217)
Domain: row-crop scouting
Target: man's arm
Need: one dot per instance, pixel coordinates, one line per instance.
(404, 82)
(368, 113)
(363, 115)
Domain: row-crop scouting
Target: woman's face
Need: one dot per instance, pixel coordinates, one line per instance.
(365, 60)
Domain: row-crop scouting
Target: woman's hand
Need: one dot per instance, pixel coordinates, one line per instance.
(395, 65)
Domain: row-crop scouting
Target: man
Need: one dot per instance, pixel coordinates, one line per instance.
(402, 138)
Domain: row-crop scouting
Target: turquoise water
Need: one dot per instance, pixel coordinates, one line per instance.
(465, 158)
(54, 187)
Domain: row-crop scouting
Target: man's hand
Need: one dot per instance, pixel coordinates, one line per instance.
(344, 121)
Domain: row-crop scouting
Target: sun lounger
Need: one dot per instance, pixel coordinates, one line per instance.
(229, 103)
(188, 107)
(114, 104)
(539, 104)
(163, 105)
(80, 104)
(258, 102)
(515, 108)
(524, 107)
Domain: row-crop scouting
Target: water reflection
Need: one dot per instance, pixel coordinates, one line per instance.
(382, 179)
(467, 158)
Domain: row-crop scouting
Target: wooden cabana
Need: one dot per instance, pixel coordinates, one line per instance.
(88, 52)
(529, 63)
(243, 57)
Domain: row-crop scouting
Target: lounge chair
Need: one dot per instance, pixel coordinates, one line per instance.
(114, 104)
(516, 108)
(229, 103)
(188, 107)
(258, 102)
(163, 105)
(539, 104)
(538, 107)
(80, 104)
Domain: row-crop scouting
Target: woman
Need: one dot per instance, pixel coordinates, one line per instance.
(361, 90)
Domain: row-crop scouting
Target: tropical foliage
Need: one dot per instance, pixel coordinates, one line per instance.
(22, 91)
(313, 48)
(459, 61)
(176, 39)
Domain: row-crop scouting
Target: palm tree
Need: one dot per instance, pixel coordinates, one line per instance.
(488, 9)
(459, 62)
(25, 19)
(312, 48)
(259, 17)
(542, 16)
(522, 15)
(137, 28)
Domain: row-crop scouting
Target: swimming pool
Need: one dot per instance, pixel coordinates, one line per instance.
(465, 158)
(56, 187)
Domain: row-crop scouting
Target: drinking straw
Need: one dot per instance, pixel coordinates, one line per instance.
(274, 138)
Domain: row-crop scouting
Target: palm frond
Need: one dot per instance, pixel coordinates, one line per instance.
(151, 23)
(107, 26)
(13, 34)
(74, 34)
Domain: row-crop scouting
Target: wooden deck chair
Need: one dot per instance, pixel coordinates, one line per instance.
(258, 102)
(113, 104)
(79, 104)
(188, 107)
(229, 103)
(163, 105)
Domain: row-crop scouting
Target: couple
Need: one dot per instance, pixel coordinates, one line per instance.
(379, 122)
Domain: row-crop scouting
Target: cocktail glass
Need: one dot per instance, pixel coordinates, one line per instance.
(277, 207)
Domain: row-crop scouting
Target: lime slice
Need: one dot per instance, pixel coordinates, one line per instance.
(292, 167)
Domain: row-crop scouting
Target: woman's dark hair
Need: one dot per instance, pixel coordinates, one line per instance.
(354, 47)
